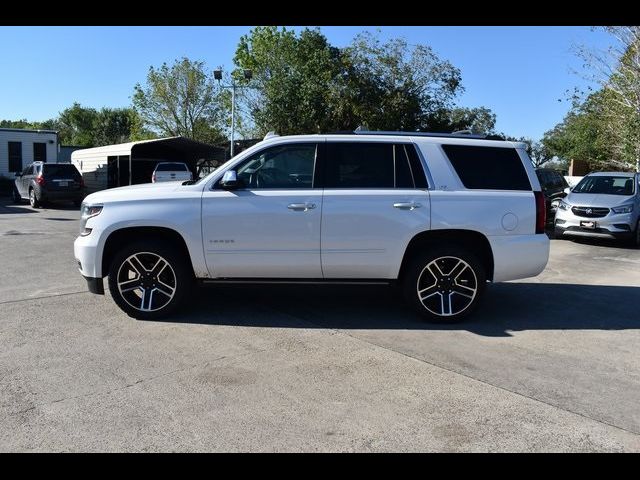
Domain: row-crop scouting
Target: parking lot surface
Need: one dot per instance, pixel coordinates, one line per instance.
(546, 364)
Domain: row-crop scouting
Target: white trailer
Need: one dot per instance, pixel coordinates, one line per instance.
(133, 162)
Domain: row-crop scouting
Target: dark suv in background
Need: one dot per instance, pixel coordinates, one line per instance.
(42, 182)
(553, 187)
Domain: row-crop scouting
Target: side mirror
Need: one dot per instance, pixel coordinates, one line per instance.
(554, 205)
(230, 180)
(567, 190)
(18, 174)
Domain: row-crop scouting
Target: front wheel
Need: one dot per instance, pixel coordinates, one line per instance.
(149, 280)
(444, 285)
(636, 236)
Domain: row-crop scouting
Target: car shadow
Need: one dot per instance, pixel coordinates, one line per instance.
(506, 307)
(8, 207)
(603, 242)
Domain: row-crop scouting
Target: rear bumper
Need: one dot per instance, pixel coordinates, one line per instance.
(518, 256)
(95, 285)
(61, 195)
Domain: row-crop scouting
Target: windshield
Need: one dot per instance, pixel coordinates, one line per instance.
(608, 185)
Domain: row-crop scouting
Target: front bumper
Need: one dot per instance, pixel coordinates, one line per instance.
(617, 226)
(85, 251)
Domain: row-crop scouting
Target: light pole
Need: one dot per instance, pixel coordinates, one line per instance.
(217, 74)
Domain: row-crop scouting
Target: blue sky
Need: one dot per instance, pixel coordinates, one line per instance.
(518, 72)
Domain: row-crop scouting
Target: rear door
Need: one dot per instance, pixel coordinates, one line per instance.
(375, 200)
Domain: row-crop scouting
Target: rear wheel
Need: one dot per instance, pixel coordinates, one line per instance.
(34, 201)
(444, 285)
(15, 196)
(149, 280)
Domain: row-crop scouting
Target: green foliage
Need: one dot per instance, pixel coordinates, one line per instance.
(599, 130)
(479, 120)
(88, 127)
(306, 85)
(181, 99)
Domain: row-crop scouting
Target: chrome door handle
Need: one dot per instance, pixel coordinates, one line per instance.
(301, 207)
(406, 205)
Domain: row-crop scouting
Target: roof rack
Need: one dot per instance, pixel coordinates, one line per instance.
(458, 134)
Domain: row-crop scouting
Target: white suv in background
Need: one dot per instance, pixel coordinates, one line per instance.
(171, 172)
(440, 214)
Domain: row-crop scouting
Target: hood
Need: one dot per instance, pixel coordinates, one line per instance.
(597, 199)
(147, 191)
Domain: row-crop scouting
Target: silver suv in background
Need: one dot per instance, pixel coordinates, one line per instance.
(171, 172)
(604, 205)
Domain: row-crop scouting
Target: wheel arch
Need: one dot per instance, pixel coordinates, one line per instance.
(123, 236)
(471, 240)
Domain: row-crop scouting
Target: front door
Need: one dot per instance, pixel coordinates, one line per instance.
(270, 227)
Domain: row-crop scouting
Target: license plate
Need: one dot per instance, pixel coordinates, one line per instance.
(590, 225)
(64, 184)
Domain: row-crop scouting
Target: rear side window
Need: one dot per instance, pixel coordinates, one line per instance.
(59, 170)
(171, 167)
(488, 168)
(373, 165)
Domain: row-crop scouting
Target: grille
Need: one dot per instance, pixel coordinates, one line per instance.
(590, 212)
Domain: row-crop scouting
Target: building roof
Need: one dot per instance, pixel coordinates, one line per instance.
(30, 130)
(183, 143)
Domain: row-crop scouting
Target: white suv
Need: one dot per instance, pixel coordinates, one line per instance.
(440, 214)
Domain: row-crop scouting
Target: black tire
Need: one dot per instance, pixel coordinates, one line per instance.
(635, 239)
(15, 196)
(558, 233)
(452, 294)
(34, 201)
(132, 297)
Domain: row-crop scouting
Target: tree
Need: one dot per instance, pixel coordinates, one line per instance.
(480, 120)
(291, 76)
(116, 125)
(617, 70)
(304, 84)
(594, 133)
(182, 99)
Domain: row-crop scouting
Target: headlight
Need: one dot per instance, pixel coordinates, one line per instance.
(564, 205)
(88, 211)
(623, 209)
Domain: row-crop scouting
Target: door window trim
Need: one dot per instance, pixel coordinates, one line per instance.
(317, 162)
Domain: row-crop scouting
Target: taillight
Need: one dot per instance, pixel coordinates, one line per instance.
(541, 212)
(40, 180)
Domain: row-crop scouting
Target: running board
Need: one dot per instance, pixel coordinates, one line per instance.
(298, 281)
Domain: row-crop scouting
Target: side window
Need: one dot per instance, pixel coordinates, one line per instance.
(488, 168)
(359, 165)
(404, 176)
(285, 166)
(417, 169)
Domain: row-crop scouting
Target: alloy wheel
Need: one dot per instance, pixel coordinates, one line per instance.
(447, 286)
(146, 281)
